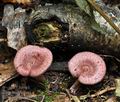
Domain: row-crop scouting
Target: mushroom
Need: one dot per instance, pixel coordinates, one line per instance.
(88, 67)
(32, 60)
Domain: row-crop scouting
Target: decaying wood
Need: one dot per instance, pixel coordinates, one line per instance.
(79, 35)
(13, 20)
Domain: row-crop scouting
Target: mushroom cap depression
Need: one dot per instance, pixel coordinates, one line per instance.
(32, 60)
(88, 67)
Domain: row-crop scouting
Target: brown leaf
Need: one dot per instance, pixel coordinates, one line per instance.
(61, 98)
(111, 99)
(7, 72)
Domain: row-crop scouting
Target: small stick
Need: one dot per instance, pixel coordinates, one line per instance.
(103, 91)
(43, 99)
(98, 93)
(69, 95)
(3, 40)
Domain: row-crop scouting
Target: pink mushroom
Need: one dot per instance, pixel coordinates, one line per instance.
(32, 60)
(88, 67)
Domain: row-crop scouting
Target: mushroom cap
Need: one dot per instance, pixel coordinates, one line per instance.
(32, 60)
(88, 67)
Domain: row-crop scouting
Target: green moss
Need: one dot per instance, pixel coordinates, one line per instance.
(48, 95)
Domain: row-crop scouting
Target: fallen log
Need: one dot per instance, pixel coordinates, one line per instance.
(75, 32)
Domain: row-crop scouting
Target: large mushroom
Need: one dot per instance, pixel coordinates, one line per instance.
(88, 67)
(32, 60)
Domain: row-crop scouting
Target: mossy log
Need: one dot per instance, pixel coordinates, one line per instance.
(76, 32)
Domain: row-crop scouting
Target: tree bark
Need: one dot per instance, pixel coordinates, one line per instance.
(78, 34)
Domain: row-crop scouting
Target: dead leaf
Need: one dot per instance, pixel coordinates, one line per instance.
(111, 99)
(7, 72)
(61, 98)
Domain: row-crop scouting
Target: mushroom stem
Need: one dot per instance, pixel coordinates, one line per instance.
(75, 87)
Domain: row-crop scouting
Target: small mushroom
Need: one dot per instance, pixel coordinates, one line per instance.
(32, 60)
(88, 67)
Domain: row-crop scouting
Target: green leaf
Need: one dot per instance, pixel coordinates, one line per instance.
(83, 4)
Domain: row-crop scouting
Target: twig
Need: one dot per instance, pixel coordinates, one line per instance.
(25, 98)
(106, 17)
(69, 95)
(72, 98)
(107, 89)
(55, 80)
(43, 99)
(3, 40)
(103, 91)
